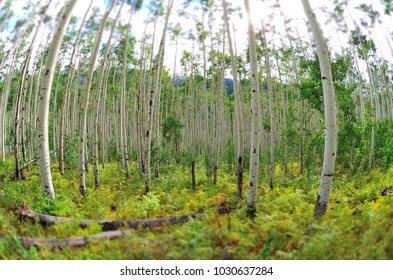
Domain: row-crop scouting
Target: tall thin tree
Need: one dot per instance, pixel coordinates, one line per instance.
(329, 97)
(255, 128)
(43, 102)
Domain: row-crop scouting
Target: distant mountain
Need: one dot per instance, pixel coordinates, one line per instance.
(229, 86)
(180, 80)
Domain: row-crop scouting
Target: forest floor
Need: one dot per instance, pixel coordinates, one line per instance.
(358, 224)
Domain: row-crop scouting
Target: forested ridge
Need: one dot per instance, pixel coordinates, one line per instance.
(262, 138)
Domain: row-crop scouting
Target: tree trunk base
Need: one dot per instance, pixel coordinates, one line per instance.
(251, 212)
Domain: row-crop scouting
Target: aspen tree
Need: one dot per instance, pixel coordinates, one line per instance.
(255, 128)
(238, 108)
(22, 88)
(123, 130)
(140, 101)
(155, 94)
(65, 95)
(271, 109)
(43, 103)
(149, 91)
(98, 99)
(12, 56)
(219, 108)
(83, 121)
(205, 105)
(329, 97)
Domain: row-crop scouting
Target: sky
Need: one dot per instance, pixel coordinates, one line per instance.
(260, 10)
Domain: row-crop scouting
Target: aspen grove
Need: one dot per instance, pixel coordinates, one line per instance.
(196, 129)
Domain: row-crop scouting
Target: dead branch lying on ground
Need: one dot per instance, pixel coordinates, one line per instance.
(79, 241)
(44, 219)
(109, 227)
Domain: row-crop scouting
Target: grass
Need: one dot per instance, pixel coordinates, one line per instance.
(358, 224)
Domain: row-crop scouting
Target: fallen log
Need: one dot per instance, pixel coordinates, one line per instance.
(108, 234)
(44, 219)
(79, 241)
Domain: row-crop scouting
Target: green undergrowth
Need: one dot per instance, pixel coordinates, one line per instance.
(358, 224)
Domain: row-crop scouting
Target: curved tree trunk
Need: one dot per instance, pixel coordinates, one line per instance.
(98, 100)
(43, 103)
(19, 96)
(329, 158)
(83, 127)
(66, 89)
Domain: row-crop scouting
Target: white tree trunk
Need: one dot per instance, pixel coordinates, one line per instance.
(238, 109)
(329, 158)
(65, 95)
(123, 89)
(83, 127)
(43, 102)
(255, 128)
(155, 94)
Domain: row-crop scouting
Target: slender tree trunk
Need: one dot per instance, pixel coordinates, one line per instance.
(255, 129)
(155, 94)
(83, 126)
(74, 113)
(21, 90)
(4, 100)
(140, 104)
(271, 109)
(66, 89)
(219, 106)
(123, 129)
(206, 112)
(43, 103)
(98, 100)
(330, 113)
(238, 109)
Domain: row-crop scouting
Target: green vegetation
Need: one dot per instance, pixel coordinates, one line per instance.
(276, 139)
(358, 224)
